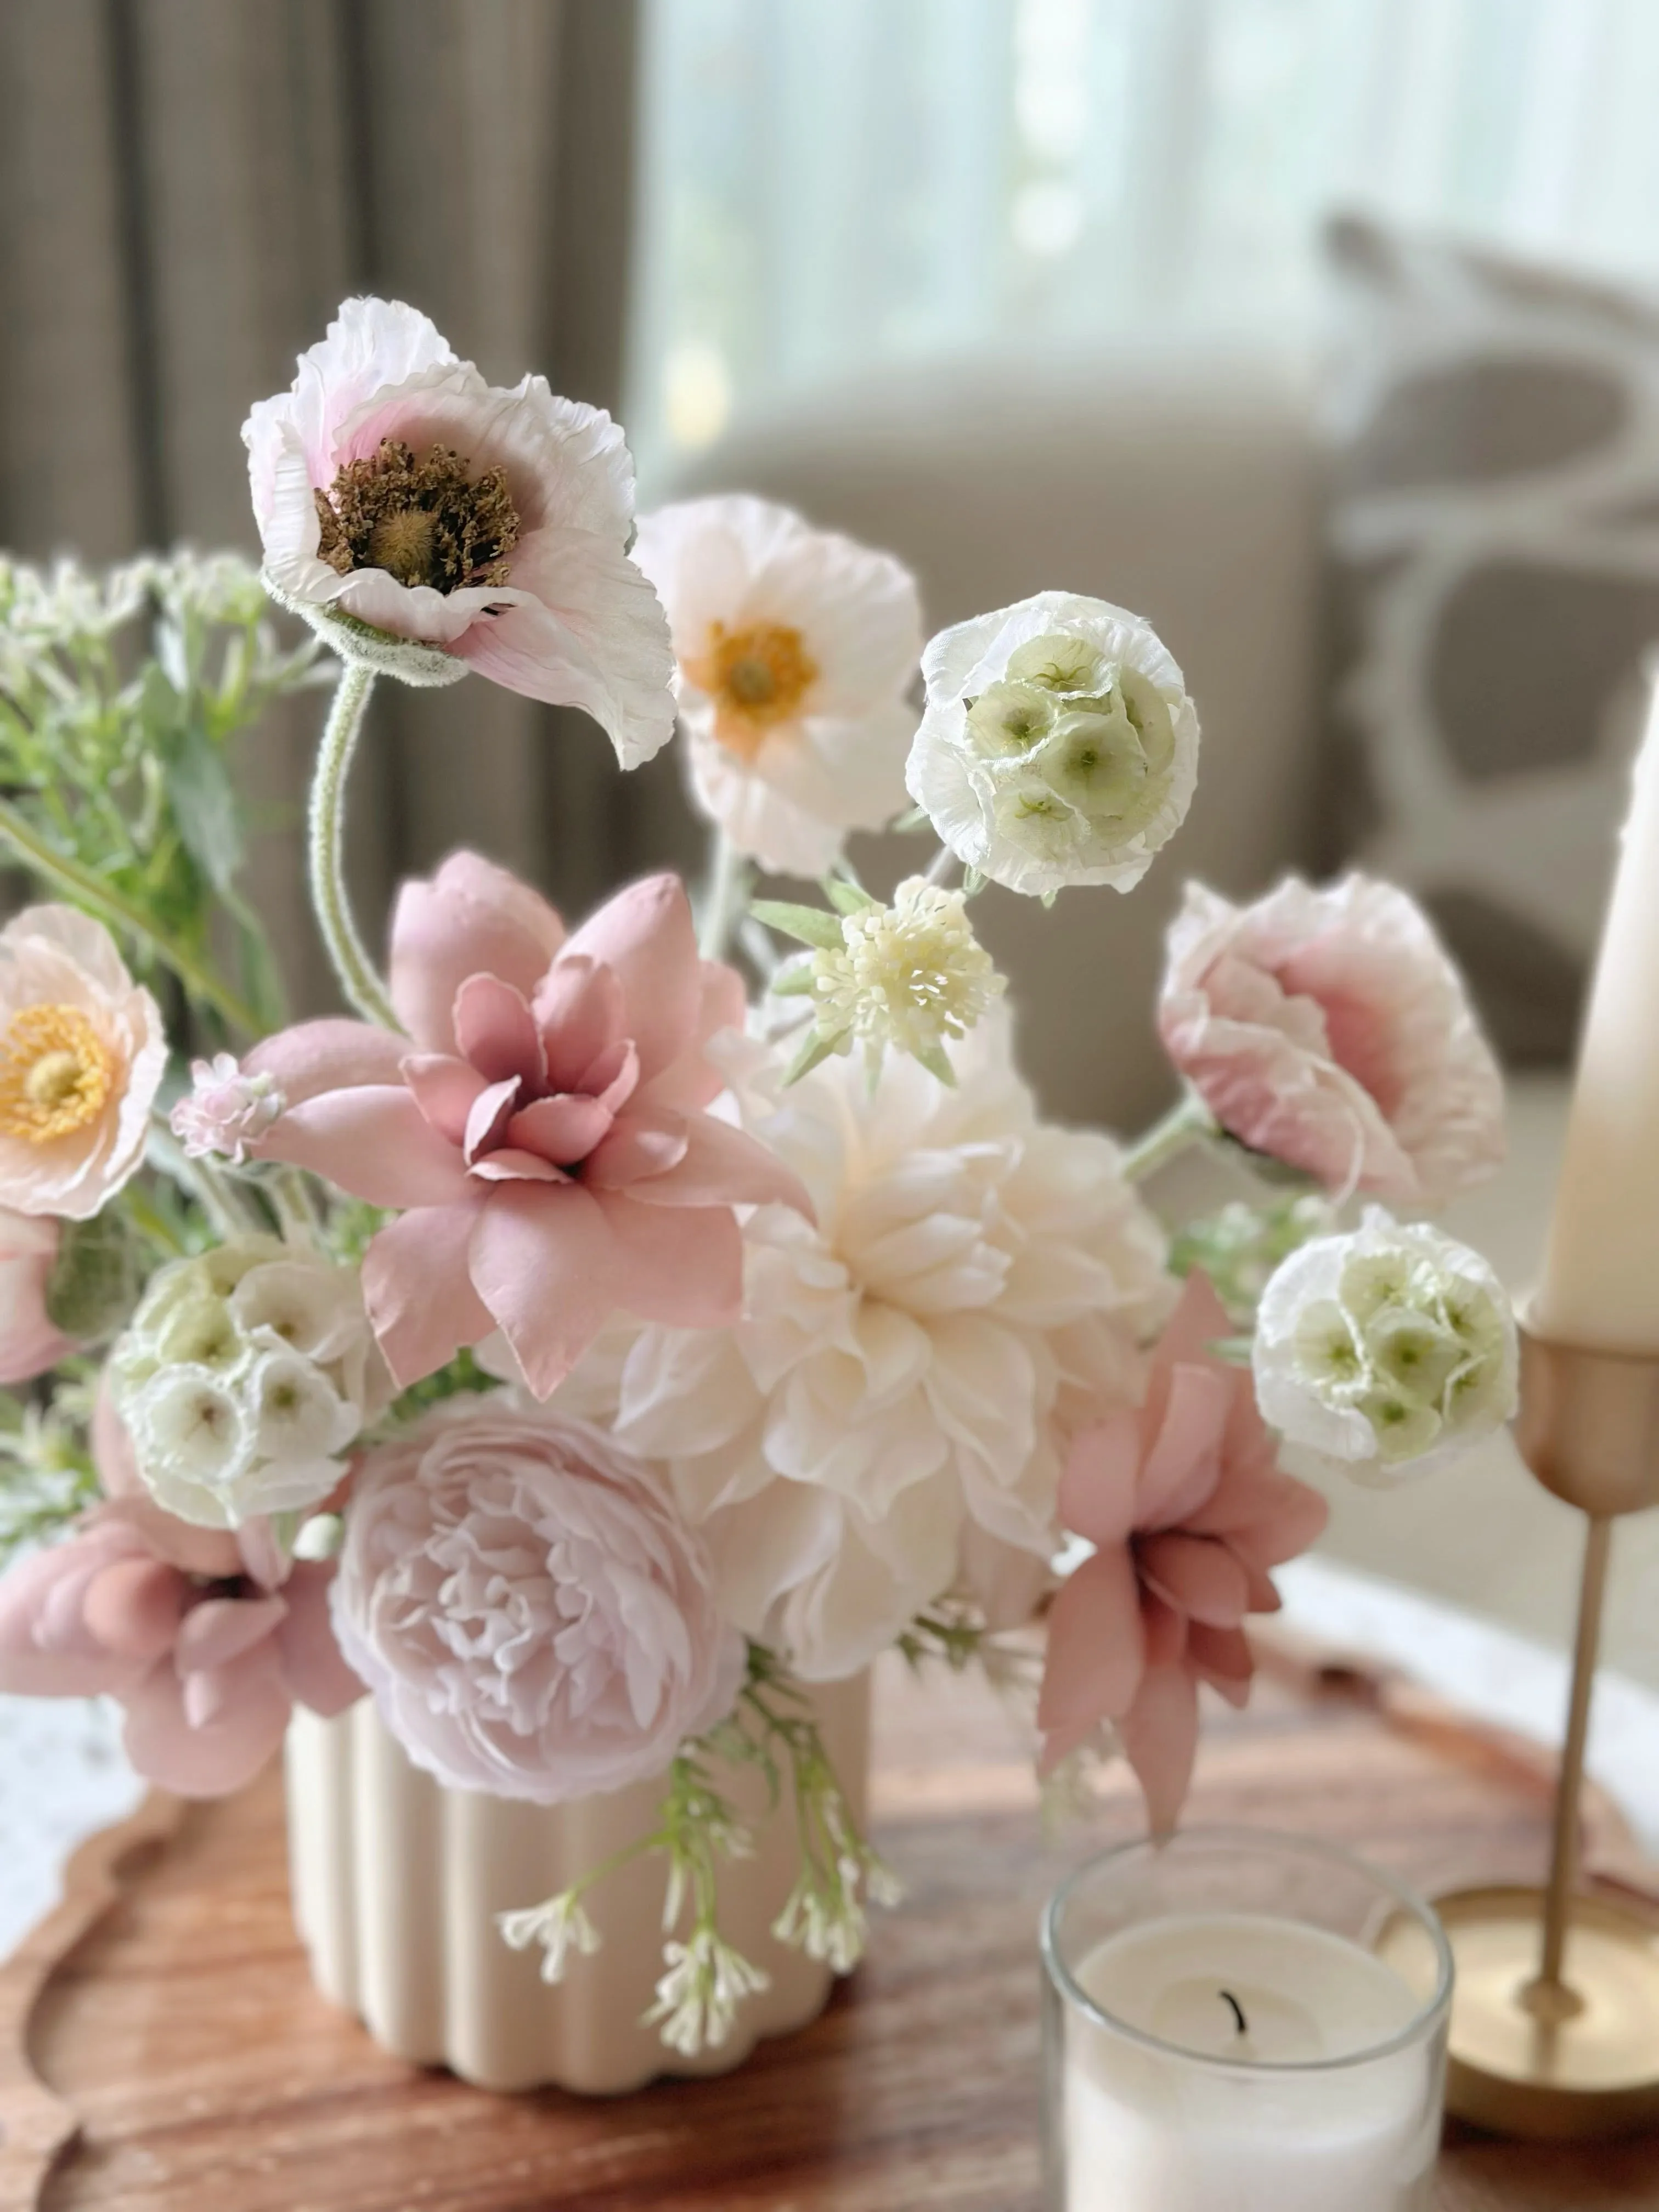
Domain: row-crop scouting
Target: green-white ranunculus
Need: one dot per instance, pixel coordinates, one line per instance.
(1058, 745)
(1390, 1349)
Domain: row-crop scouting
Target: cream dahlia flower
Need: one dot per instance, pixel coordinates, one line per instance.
(890, 1419)
(1391, 1349)
(794, 650)
(82, 1053)
(1058, 746)
(426, 522)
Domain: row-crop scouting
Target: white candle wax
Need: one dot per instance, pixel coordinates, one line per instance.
(1283, 2130)
(1600, 1282)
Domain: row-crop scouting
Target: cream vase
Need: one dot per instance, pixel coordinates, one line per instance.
(396, 1881)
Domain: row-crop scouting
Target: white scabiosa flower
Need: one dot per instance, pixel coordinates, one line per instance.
(1058, 745)
(793, 649)
(1389, 1349)
(244, 1376)
(912, 976)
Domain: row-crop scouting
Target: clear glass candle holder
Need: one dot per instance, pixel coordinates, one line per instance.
(1240, 2021)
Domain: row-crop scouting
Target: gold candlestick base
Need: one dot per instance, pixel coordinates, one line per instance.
(1555, 2011)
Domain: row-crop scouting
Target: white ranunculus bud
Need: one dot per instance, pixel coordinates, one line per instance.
(243, 1376)
(1389, 1349)
(1058, 746)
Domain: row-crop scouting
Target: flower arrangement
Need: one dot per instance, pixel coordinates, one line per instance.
(578, 1351)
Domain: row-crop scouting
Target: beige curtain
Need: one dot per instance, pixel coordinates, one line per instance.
(187, 188)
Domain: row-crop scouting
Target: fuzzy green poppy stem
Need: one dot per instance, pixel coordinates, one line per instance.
(359, 978)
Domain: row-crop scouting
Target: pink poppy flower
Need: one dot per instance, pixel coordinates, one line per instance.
(393, 485)
(82, 1053)
(188, 1629)
(1184, 1504)
(29, 1342)
(1328, 1029)
(541, 1128)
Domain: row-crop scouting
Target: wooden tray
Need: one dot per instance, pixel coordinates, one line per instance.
(162, 2048)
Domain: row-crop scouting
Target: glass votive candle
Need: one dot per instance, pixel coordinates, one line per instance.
(1240, 2021)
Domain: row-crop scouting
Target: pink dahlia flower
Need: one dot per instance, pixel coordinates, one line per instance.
(189, 1631)
(1328, 1029)
(533, 1618)
(29, 1343)
(82, 1056)
(392, 484)
(541, 1128)
(1186, 1510)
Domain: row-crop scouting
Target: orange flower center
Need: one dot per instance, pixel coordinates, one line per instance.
(55, 1074)
(757, 678)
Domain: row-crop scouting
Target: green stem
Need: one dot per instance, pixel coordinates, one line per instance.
(358, 979)
(78, 883)
(725, 899)
(1189, 1123)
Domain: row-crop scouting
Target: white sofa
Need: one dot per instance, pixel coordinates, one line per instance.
(1187, 487)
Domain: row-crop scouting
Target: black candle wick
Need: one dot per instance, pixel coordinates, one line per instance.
(1228, 1998)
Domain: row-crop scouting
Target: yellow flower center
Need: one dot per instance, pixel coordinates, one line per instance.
(55, 1074)
(757, 678)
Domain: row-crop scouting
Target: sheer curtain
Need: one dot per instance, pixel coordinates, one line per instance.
(830, 183)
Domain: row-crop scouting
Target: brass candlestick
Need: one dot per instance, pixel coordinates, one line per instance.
(1555, 2015)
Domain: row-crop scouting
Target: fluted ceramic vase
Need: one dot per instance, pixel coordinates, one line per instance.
(396, 1881)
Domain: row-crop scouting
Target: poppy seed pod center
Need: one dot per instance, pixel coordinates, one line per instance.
(424, 521)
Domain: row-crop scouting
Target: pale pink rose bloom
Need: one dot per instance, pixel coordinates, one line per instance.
(191, 1632)
(794, 650)
(551, 604)
(28, 1342)
(533, 1618)
(1186, 1507)
(81, 1055)
(226, 1111)
(542, 1124)
(1328, 1029)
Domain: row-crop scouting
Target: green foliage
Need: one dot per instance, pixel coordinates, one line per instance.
(118, 762)
(46, 1475)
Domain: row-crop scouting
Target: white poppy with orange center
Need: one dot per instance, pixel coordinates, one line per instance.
(82, 1056)
(794, 649)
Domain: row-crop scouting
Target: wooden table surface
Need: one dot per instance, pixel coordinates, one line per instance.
(162, 2048)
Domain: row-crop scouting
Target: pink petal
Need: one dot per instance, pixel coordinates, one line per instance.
(488, 1117)
(312, 1666)
(1196, 1574)
(1164, 1628)
(594, 637)
(471, 919)
(508, 1164)
(645, 1141)
(614, 1077)
(444, 1088)
(327, 1055)
(29, 1665)
(496, 1030)
(1096, 1645)
(680, 1266)
(1160, 1740)
(563, 1130)
(1183, 1464)
(644, 935)
(133, 1607)
(579, 1004)
(690, 1081)
(418, 1290)
(1223, 1659)
(375, 1143)
(229, 1748)
(724, 1166)
(543, 1263)
(220, 1629)
(1098, 1488)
